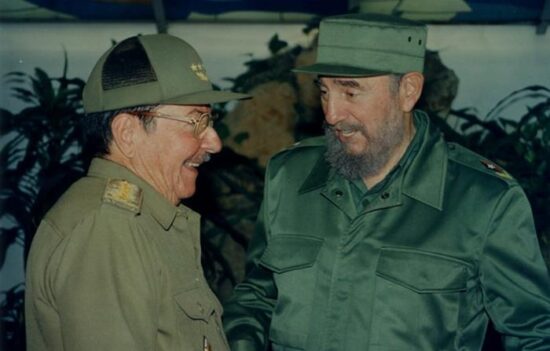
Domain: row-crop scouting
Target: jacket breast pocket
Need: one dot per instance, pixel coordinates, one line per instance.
(288, 252)
(195, 304)
(199, 315)
(292, 259)
(417, 293)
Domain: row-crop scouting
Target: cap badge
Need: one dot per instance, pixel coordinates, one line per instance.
(199, 71)
(121, 193)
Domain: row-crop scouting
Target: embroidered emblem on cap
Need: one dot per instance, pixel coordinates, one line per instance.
(496, 168)
(124, 194)
(199, 71)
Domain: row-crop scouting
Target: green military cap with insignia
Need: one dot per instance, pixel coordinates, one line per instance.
(362, 45)
(148, 70)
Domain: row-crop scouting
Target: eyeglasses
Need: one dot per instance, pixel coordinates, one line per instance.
(199, 124)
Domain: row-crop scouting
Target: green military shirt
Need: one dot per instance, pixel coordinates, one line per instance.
(445, 246)
(115, 266)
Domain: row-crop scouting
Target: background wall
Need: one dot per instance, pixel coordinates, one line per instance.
(490, 61)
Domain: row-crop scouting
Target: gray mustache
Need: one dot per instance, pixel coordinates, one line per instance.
(343, 127)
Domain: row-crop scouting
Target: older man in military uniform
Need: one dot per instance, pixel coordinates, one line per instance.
(381, 235)
(115, 264)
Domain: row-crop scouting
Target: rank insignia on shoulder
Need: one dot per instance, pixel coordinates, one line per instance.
(496, 168)
(124, 194)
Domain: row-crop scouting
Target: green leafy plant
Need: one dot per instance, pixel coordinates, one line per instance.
(11, 310)
(41, 155)
(43, 150)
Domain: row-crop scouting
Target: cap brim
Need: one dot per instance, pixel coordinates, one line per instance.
(327, 69)
(206, 97)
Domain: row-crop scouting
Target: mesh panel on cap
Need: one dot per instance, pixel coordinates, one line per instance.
(127, 65)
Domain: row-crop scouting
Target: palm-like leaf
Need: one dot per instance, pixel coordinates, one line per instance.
(41, 151)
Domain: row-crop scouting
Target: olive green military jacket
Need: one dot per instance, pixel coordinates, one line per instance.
(446, 246)
(114, 266)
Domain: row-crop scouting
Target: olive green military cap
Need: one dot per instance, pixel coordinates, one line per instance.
(361, 45)
(147, 70)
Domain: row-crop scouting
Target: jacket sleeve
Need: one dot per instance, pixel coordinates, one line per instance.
(515, 279)
(107, 287)
(247, 314)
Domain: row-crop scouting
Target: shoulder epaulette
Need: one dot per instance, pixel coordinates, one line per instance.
(472, 160)
(124, 194)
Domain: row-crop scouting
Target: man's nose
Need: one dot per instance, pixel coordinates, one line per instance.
(211, 141)
(332, 108)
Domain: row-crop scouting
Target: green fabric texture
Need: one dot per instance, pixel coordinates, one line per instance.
(362, 45)
(445, 247)
(180, 78)
(104, 277)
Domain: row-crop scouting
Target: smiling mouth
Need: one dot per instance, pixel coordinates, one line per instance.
(344, 132)
(195, 163)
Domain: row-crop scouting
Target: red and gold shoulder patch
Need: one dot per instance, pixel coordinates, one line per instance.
(496, 168)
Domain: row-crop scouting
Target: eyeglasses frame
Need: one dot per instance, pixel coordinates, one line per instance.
(195, 122)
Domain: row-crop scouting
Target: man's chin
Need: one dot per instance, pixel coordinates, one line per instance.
(186, 193)
(352, 149)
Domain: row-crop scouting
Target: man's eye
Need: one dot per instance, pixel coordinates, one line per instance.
(351, 94)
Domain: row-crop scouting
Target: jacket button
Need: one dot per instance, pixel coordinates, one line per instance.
(338, 193)
(385, 195)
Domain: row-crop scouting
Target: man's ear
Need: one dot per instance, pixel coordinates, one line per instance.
(124, 128)
(410, 90)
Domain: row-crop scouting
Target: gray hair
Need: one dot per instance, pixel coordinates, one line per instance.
(395, 82)
(97, 127)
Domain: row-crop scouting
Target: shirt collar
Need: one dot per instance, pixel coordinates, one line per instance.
(424, 178)
(161, 209)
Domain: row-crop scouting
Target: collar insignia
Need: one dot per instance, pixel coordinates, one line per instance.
(496, 168)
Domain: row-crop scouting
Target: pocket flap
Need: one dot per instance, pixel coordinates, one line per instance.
(423, 272)
(288, 252)
(195, 304)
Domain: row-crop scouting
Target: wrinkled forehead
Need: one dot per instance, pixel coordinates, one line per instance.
(352, 82)
(184, 109)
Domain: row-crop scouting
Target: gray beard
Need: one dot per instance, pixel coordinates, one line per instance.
(369, 162)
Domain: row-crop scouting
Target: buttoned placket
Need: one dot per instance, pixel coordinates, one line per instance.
(338, 191)
(185, 220)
